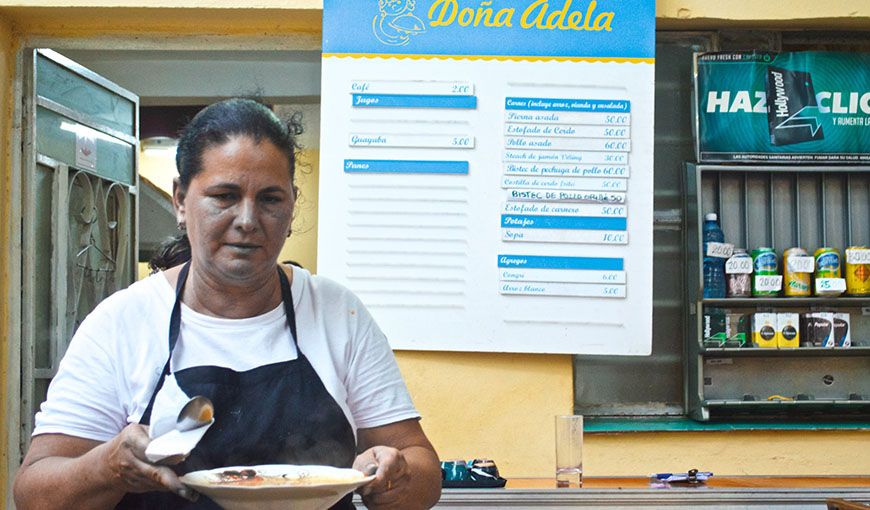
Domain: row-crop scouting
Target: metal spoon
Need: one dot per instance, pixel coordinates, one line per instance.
(194, 419)
(197, 412)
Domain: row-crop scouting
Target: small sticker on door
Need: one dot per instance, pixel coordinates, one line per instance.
(86, 150)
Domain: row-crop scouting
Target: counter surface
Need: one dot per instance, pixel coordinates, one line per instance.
(720, 492)
(731, 482)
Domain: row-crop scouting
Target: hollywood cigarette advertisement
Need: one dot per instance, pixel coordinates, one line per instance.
(790, 107)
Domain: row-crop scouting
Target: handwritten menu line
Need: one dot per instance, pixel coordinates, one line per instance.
(574, 183)
(576, 157)
(566, 170)
(459, 141)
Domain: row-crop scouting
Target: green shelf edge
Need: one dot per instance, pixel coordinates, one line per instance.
(603, 425)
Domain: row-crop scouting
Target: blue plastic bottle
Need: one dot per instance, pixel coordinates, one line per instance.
(714, 267)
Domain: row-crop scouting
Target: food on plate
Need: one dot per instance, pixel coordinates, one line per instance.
(253, 478)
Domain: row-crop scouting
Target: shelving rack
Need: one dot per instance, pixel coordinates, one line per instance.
(780, 206)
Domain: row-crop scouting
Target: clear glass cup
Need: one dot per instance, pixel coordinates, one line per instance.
(569, 451)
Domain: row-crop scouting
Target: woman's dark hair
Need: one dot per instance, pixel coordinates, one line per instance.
(214, 126)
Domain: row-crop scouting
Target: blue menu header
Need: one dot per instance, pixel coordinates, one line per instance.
(577, 263)
(596, 29)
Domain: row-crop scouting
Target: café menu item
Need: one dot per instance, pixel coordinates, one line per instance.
(487, 171)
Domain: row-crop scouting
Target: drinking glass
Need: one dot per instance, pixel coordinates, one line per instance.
(569, 451)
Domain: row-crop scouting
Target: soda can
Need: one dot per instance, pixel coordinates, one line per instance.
(857, 274)
(795, 284)
(764, 263)
(827, 266)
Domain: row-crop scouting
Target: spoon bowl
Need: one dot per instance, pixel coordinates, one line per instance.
(198, 411)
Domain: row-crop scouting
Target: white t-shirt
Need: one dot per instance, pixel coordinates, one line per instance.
(113, 363)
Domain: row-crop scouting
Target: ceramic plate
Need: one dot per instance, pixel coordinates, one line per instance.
(277, 486)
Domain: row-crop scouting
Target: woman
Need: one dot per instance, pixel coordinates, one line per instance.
(297, 369)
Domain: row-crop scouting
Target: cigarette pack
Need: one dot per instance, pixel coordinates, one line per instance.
(715, 329)
(737, 326)
(808, 338)
(764, 330)
(787, 330)
(817, 329)
(842, 325)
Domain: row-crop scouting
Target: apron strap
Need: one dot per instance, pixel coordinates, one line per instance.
(287, 298)
(174, 329)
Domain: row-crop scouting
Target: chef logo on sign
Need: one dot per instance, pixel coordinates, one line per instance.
(791, 107)
(395, 23)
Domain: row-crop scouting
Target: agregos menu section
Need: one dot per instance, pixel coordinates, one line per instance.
(486, 171)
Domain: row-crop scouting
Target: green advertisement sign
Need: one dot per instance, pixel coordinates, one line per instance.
(801, 107)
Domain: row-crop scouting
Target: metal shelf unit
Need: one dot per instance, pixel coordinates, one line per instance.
(781, 207)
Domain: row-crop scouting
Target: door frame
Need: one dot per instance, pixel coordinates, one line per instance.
(25, 43)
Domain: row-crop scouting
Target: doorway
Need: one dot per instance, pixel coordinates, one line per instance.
(170, 86)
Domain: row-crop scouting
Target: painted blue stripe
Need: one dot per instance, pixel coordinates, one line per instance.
(389, 166)
(552, 104)
(563, 222)
(539, 262)
(413, 101)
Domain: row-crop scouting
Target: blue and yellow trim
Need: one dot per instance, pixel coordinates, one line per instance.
(499, 58)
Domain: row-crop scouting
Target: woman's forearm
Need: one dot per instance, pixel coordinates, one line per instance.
(424, 482)
(54, 482)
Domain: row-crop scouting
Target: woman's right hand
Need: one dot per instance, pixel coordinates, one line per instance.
(129, 468)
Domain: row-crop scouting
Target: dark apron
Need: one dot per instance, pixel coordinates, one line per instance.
(275, 414)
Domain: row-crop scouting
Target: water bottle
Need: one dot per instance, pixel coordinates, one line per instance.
(714, 267)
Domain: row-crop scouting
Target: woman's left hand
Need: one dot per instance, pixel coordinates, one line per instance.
(406, 469)
(390, 469)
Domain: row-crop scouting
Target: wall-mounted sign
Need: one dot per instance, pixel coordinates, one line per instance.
(805, 107)
(486, 175)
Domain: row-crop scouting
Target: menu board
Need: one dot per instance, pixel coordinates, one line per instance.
(486, 173)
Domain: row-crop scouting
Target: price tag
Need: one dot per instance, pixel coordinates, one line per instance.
(768, 283)
(738, 265)
(801, 264)
(720, 250)
(858, 256)
(830, 285)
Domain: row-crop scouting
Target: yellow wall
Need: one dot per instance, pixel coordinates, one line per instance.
(7, 59)
(492, 405)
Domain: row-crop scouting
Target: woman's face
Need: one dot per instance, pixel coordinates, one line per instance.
(238, 209)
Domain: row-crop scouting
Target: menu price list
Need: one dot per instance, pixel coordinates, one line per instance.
(565, 177)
